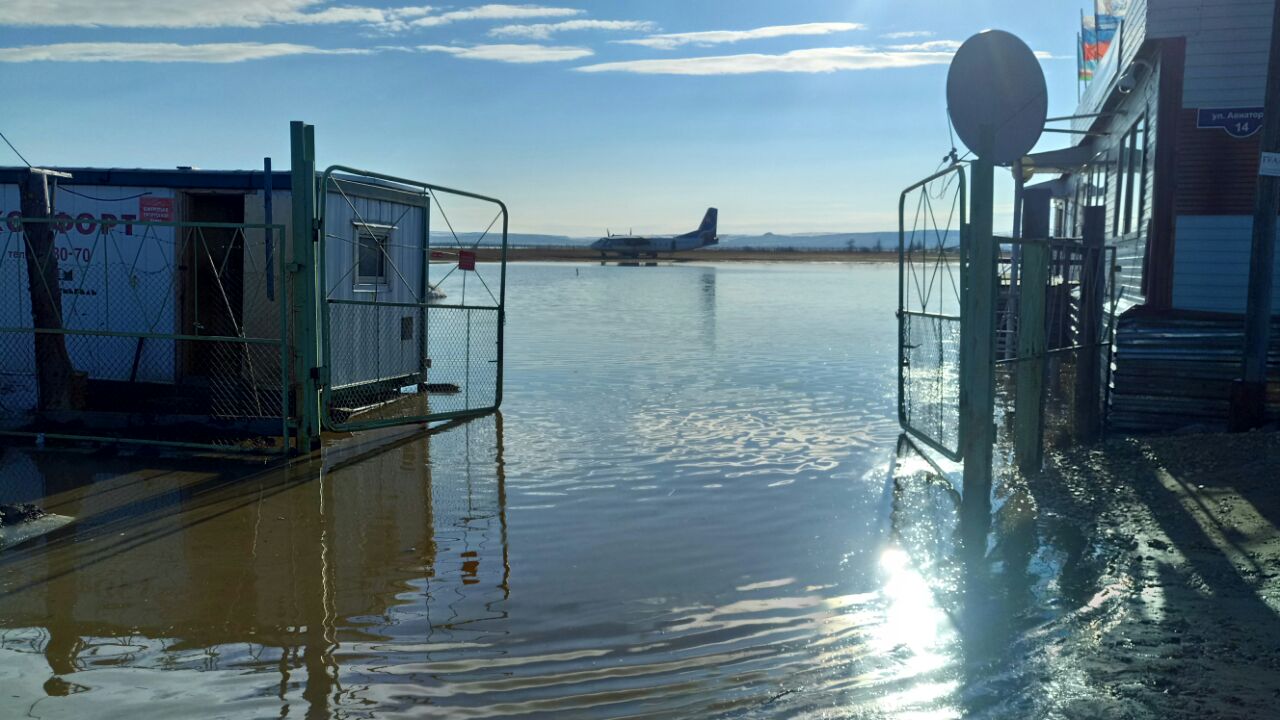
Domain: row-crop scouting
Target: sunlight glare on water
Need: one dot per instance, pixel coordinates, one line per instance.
(680, 512)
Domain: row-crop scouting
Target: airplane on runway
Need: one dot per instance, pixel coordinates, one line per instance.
(634, 246)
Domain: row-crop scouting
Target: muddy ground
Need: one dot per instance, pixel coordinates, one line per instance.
(1169, 579)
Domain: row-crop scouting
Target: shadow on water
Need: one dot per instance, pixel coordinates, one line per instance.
(190, 566)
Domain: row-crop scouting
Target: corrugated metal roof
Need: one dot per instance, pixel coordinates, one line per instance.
(151, 177)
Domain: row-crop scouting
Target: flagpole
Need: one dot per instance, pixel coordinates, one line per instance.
(1097, 29)
(1079, 64)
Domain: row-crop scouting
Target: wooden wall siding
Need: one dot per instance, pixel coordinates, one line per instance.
(1133, 34)
(1129, 109)
(1134, 30)
(1130, 261)
(1227, 46)
(1211, 271)
(1216, 173)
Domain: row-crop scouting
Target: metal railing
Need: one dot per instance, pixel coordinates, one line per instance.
(932, 214)
(410, 332)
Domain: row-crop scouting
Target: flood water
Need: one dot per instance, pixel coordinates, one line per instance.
(680, 512)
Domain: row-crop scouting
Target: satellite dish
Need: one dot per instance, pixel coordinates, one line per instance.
(996, 85)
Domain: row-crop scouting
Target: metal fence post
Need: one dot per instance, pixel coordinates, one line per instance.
(978, 347)
(1028, 415)
(305, 293)
(1088, 402)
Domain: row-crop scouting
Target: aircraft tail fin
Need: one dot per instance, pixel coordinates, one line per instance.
(706, 232)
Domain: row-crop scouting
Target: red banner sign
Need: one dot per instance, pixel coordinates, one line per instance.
(155, 209)
(466, 260)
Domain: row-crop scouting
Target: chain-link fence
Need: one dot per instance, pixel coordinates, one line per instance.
(412, 313)
(1067, 334)
(931, 215)
(151, 332)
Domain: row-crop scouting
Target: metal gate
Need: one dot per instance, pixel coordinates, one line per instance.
(411, 329)
(932, 214)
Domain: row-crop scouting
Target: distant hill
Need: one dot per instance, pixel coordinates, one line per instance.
(864, 241)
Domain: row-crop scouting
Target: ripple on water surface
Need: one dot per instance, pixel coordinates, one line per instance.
(679, 513)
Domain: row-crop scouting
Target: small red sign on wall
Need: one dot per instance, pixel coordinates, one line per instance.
(155, 209)
(466, 260)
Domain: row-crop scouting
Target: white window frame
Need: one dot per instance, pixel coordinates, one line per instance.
(380, 233)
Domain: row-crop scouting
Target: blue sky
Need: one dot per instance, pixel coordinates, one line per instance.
(797, 116)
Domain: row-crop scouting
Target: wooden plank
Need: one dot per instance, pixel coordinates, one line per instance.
(1029, 399)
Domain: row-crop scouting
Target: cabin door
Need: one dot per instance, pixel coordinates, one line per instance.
(212, 290)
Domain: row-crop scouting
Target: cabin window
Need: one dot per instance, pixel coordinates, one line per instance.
(1131, 204)
(1122, 183)
(1143, 159)
(371, 246)
(1096, 185)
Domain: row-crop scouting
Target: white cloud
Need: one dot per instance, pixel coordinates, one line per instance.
(512, 53)
(904, 35)
(162, 52)
(929, 46)
(543, 31)
(815, 60)
(496, 12)
(668, 41)
(250, 13)
(169, 14)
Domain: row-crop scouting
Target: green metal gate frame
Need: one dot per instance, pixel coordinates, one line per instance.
(427, 192)
(907, 312)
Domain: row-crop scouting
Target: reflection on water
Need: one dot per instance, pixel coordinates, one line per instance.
(681, 512)
(282, 574)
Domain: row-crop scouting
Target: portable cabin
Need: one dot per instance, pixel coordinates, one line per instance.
(1169, 143)
(149, 261)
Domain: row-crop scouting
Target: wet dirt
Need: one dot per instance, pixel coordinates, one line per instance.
(1171, 578)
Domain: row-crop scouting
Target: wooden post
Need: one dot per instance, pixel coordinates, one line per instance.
(1028, 415)
(978, 349)
(55, 375)
(1088, 400)
(1249, 394)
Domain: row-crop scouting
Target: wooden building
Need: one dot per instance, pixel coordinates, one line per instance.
(1169, 144)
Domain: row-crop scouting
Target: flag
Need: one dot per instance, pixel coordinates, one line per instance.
(1083, 73)
(1107, 15)
(1089, 49)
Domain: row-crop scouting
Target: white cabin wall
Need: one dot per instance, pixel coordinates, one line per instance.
(1211, 268)
(119, 281)
(366, 342)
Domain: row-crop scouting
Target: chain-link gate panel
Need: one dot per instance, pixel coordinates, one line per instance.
(153, 332)
(412, 280)
(1066, 263)
(931, 217)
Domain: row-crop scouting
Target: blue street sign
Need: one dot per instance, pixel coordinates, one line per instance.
(1238, 122)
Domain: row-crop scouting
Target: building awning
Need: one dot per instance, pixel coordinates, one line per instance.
(1059, 162)
(1057, 187)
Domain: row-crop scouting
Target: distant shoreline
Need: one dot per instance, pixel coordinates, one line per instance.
(589, 255)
